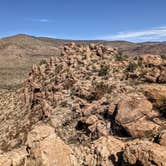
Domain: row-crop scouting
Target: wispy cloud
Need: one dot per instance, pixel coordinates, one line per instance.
(41, 20)
(152, 34)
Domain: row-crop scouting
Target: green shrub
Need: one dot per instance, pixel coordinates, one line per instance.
(132, 67)
(43, 61)
(58, 68)
(103, 87)
(121, 57)
(104, 70)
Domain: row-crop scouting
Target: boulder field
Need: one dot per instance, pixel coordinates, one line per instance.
(88, 106)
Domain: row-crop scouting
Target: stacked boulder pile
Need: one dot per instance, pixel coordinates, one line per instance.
(97, 106)
(148, 68)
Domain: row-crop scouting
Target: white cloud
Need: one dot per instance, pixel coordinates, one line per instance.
(42, 20)
(157, 33)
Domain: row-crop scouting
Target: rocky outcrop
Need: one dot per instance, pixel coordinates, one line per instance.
(147, 68)
(134, 106)
(150, 59)
(87, 106)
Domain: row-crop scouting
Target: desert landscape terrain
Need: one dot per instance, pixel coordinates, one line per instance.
(82, 103)
(19, 52)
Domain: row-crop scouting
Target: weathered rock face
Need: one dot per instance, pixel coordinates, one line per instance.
(110, 150)
(43, 147)
(157, 95)
(162, 138)
(46, 148)
(133, 113)
(15, 158)
(142, 128)
(132, 108)
(144, 153)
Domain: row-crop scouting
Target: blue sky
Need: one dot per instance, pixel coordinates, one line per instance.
(132, 20)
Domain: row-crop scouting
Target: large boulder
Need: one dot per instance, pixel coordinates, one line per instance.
(110, 150)
(132, 108)
(142, 128)
(157, 95)
(155, 92)
(144, 153)
(133, 112)
(162, 77)
(46, 148)
(162, 138)
(15, 158)
(152, 75)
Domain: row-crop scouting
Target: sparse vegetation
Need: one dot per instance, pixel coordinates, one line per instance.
(121, 57)
(132, 67)
(42, 62)
(104, 69)
(87, 104)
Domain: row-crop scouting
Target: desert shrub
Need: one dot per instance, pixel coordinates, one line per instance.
(163, 56)
(160, 105)
(132, 67)
(58, 68)
(94, 69)
(104, 70)
(64, 103)
(43, 61)
(102, 87)
(121, 57)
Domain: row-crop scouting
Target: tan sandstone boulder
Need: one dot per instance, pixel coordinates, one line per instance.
(154, 92)
(145, 153)
(14, 158)
(157, 95)
(162, 77)
(133, 112)
(162, 138)
(109, 148)
(46, 149)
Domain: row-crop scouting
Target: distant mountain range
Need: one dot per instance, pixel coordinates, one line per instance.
(124, 46)
(32, 45)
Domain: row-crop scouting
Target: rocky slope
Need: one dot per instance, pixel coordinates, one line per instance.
(89, 106)
(18, 53)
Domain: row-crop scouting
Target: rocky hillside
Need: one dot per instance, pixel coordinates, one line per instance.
(88, 106)
(18, 53)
